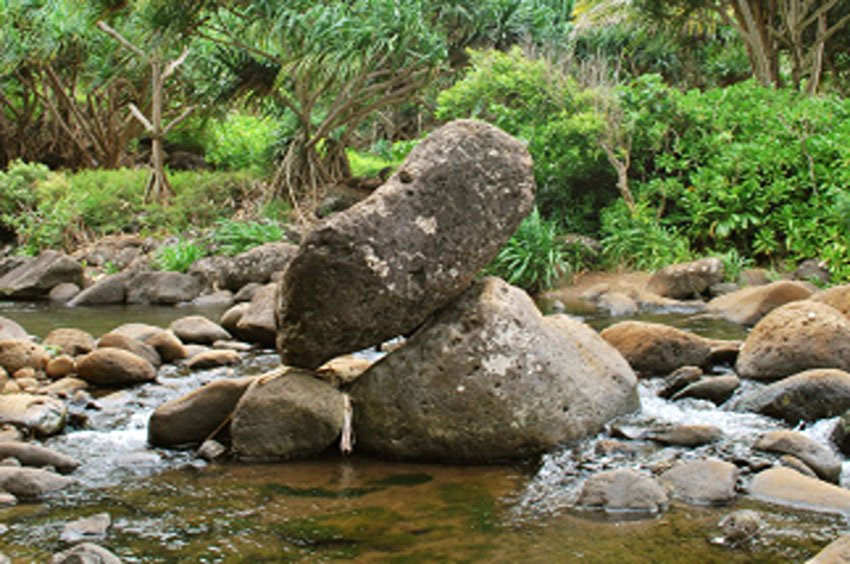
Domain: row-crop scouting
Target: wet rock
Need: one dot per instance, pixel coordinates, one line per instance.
(837, 297)
(489, 378)
(87, 528)
(687, 280)
(237, 346)
(70, 341)
(168, 346)
(687, 435)
(793, 338)
(118, 341)
(10, 330)
(716, 389)
(15, 355)
(680, 379)
(114, 367)
(819, 458)
(31, 483)
(723, 352)
(343, 370)
(65, 387)
(617, 304)
(212, 450)
(741, 527)
(623, 490)
(64, 292)
(287, 416)
(382, 267)
(60, 366)
(6, 500)
(111, 289)
(808, 396)
(246, 292)
(222, 298)
(787, 487)
(194, 350)
(794, 463)
(841, 434)
(85, 553)
(35, 455)
(213, 359)
(258, 265)
(34, 279)
(192, 418)
(653, 348)
(230, 318)
(166, 288)
(42, 415)
(257, 323)
(197, 329)
(748, 306)
(25, 373)
(836, 552)
(702, 482)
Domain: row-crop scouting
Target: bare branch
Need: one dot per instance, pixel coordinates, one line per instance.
(176, 121)
(137, 113)
(172, 66)
(104, 27)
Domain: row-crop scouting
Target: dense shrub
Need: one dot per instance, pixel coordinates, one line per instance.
(241, 142)
(178, 257)
(232, 237)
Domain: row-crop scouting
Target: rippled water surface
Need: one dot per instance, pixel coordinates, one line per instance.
(167, 506)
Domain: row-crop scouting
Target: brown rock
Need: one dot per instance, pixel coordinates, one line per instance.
(623, 490)
(197, 329)
(716, 389)
(214, 358)
(257, 323)
(10, 330)
(42, 415)
(60, 366)
(15, 355)
(787, 487)
(168, 346)
(817, 457)
(749, 305)
(703, 482)
(653, 348)
(836, 552)
(837, 297)
(807, 396)
(687, 280)
(114, 367)
(138, 348)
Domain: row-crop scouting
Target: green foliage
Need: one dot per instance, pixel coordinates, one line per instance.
(369, 164)
(232, 237)
(241, 142)
(177, 257)
(534, 258)
(640, 240)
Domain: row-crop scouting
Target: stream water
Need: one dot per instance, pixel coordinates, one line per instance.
(168, 506)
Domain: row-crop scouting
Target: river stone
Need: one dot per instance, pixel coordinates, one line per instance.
(64, 387)
(246, 292)
(811, 395)
(257, 324)
(687, 435)
(793, 338)
(749, 305)
(836, 552)
(716, 389)
(702, 482)
(166, 288)
(794, 463)
(15, 355)
(70, 341)
(230, 318)
(138, 348)
(837, 297)
(114, 367)
(60, 366)
(87, 528)
(85, 553)
(35, 279)
(139, 331)
(287, 416)
(190, 419)
(222, 298)
(489, 378)
(209, 271)
(687, 280)
(653, 348)
(623, 490)
(168, 346)
(35, 455)
(617, 304)
(741, 526)
(111, 289)
(382, 267)
(197, 329)
(818, 457)
(213, 359)
(787, 487)
(10, 330)
(680, 379)
(42, 415)
(211, 450)
(257, 265)
(31, 483)
(62, 293)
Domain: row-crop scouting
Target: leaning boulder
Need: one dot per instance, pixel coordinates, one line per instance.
(793, 338)
(656, 349)
(382, 267)
(687, 280)
(114, 367)
(35, 279)
(489, 378)
(192, 418)
(287, 416)
(15, 355)
(749, 305)
(807, 396)
(110, 289)
(166, 288)
(42, 415)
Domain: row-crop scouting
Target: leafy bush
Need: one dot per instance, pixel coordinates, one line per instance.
(368, 164)
(640, 240)
(233, 237)
(241, 142)
(534, 258)
(177, 257)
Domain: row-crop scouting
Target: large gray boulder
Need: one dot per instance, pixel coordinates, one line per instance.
(489, 378)
(749, 305)
(687, 280)
(257, 265)
(111, 289)
(258, 324)
(166, 288)
(382, 267)
(793, 338)
(35, 279)
(287, 416)
(807, 396)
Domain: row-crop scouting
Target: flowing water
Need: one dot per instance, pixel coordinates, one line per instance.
(168, 506)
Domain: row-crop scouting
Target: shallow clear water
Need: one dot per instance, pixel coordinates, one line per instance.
(168, 506)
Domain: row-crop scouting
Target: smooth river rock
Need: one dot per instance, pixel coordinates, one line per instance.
(30, 454)
(119, 341)
(15, 355)
(657, 349)
(10, 330)
(787, 487)
(702, 482)
(816, 456)
(197, 329)
(749, 305)
(808, 396)
(114, 367)
(836, 552)
(837, 297)
(623, 490)
(42, 415)
(31, 483)
(489, 378)
(382, 267)
(71, 341)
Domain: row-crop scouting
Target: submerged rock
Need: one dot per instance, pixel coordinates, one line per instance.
(687, 280)
(382, 267)
(623, 490)
(703, 482)
(749, 305)
(787, 487)
(87, 528)
(807, 396)
(489, 378)
(819, 458)
(287, 416)
(653, 348)
(741, 526)
(793, 338)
